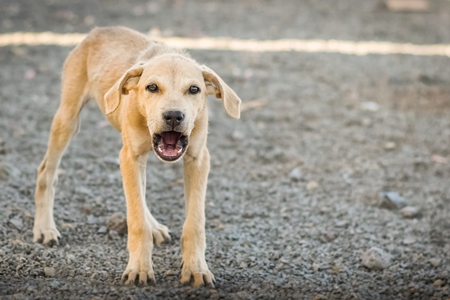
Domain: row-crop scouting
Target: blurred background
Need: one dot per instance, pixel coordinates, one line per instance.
(333, 185)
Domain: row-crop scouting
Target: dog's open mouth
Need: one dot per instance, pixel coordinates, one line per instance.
(170, 145)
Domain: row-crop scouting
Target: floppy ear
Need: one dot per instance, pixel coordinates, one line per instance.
(215, 85)
(128, 81)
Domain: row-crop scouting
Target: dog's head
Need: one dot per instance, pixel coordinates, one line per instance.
(170, 91)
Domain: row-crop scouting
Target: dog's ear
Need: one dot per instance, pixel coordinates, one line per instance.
(216, 86)
(128, 81)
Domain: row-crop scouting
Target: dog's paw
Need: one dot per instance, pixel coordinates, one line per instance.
(160, 233)
(46, 235)
(197, 274)
(139, 271)
(141, 278)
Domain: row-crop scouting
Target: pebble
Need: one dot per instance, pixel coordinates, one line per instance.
(391, 200)
(87, 209)
(337, 268)
(407, 6)
(8, 171)
(329, 236)
(111, 160)
(91, 219)
(117, 222)
(409, 240)
(435, 262)
(70, 258)
(390, 146)
(237, 135)
(102, 229)
(376, 259)
(438, 282)
(312, 185)
(440, 159)
(370, 106)
(341, 223)
(55, 284)
(315, 267)
(49, 271)
(113, 234)
(17, 223)
(296, 174)
(410, 212)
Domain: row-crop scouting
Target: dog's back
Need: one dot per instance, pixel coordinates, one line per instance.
(106, 54)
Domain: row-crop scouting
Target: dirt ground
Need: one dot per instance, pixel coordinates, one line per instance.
(294, 190)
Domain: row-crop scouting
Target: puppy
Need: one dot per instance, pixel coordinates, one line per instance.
(156, 97)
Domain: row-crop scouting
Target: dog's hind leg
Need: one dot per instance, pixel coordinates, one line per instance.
(65, 124)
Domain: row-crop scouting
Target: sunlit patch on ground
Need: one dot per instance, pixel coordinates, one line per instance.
(224, 43)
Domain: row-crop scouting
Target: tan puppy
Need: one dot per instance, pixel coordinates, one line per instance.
(156, 97)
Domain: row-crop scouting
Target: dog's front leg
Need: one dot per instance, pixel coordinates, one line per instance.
(140, 238)
(193, 240)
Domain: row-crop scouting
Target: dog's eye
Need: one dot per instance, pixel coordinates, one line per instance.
(153, 88)
(194, 90)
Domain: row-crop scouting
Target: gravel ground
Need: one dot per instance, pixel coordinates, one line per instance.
(293, 204)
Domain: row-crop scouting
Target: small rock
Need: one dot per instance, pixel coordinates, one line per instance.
(17, 223)
(370, 106)
(113, 234)
(440, 159)
(55, 284)
(237, 135)
(410, 212)
(315, 267)
(336, 268)
(117, 222)
(376, 259)
(242, 265)
(89, 20)
(214, 294)
(407, 5)
(330, 236)
(438, 282)
(87, 209)
(8, 171)
(169, 273)
(366, 122)
(102, 229)
(296, 174)
(312, 185)
(91, 219)
(111, 160)
(409, 240)
(390, 146)
(391, 200)
(49, 272)
(435, 262)
(341, 223)
(70, 258)
(30, 74)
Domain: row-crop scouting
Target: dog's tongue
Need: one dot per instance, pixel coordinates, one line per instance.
(170, 138)
(170, 143)
(170, 150)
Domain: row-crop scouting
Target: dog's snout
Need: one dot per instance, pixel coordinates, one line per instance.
(173, 118)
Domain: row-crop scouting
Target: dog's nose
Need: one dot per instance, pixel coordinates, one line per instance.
(173, 118)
